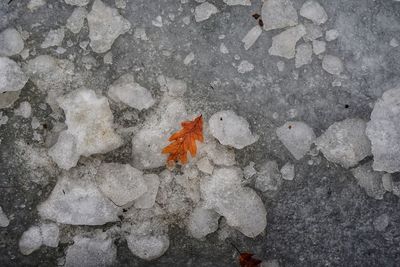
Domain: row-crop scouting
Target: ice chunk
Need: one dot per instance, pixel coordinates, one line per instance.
(90, 122)
(331, 35)
(313, 32)
(245, 66)
(223, 49)
(30, 240)
(153, 136)
(148, 199)
(204, 165)
(108, 58)
(35, 4)
(97, 251)
(381, 222)
(387, 182)
(121, 183)
(172, 86)
(11, 42)
(105, 25)
(277, 14)
(24, 110)
(241, 206)
(394, 43)
(297, 137)
(313, 11)
(53, 38)
(369, 180)
(189, 58)
(319, 47)
(4, 221)
(148, 247)
(268, 179)
(204, 11)
(7, 99)
(76, 20)
(127, 91)
(65, 152)
(11, 76)
(50, 234)
(78, 201)
(120, 3)
(384, 132)
(303, 55)
(284, 44)
(287, 171)
(345, 142)
(332, 64)
(219, 154)
(140, 33)
(231, 129)
(280, 65)
(251, 37)
(202, 222)
(237, 2)
(77, 2)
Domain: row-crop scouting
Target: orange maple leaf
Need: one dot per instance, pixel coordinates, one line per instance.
(246, 259)
(184, 141)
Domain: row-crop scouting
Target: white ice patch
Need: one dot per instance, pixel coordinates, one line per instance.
(251, 37)
(24, 110)
(204, 11)
(277, 14)
(77, 2)
(268, 179)
(127, 91)
(332, 64)
(76, 20)
(90, 122)
(237, 2)
(30, 240)
(369, 180)
(313, 11)
(241, 206)
(231, 129)
(303, 55)
(345, 142)
(319, 47)
(11, 76)
(4, 221)
(105, 25)
(78, 201)
(53, 38)
(245, 66)
(202, 222)
(297, 137)
(121, 183)
(331, 35)
(11, 42)
(384, 132)
(288, 171)
(148, 199)
(284, 44)
(35, 4)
